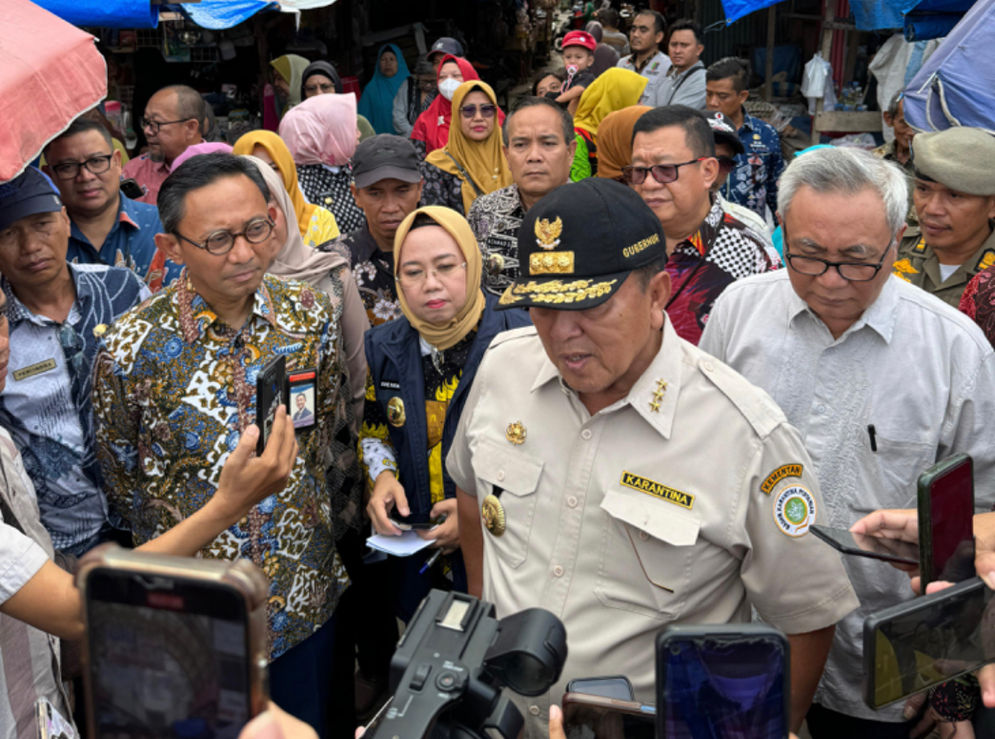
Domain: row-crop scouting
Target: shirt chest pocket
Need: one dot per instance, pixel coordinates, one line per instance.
(646, 554)
(514, 477)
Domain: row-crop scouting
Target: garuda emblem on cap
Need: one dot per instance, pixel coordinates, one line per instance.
(548, 234)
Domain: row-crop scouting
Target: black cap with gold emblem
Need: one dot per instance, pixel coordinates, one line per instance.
(577, 245)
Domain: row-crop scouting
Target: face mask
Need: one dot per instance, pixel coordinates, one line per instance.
(447, 88)
(571, 69)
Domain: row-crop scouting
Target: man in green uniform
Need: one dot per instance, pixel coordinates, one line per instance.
(954, 196)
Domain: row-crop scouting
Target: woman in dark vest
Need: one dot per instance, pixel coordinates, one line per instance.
(421, 367)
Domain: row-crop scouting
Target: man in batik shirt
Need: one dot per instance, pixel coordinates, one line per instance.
(175, 385)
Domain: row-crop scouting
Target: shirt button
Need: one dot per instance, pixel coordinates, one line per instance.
(820, 408)
(534, 710)
(643, 535)
(558, 571)
(708, 366)
(500, 475)
(585, 434)
(572, 501)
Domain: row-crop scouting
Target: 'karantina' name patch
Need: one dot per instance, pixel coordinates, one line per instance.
(785, 470)
(657, 490)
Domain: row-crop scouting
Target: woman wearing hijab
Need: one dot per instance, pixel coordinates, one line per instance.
(325, 271)
(432, 126)
(321, 135)
(472, 163)
(413, 97)
(284, 93)
(315, 224)
(320, 78)
(615, 89)
(615, 141)
(421, 367)
(377, 103)
(205, 147)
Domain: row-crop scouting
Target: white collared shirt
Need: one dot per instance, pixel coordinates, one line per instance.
(655, 71)
(919, 371)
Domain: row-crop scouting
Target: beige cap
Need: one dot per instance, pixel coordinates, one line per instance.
(961, 158)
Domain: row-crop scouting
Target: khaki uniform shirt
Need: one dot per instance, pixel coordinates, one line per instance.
(917, 263)
(685, 502)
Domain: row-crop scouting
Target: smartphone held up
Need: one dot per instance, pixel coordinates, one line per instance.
(175, 646)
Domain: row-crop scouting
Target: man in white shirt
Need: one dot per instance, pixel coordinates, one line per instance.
(881, 378)
(647, 33)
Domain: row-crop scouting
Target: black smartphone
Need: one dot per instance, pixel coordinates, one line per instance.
(131, 188)
(862, 545)
(946, 520)
(588, 716)
(722, 680)
(271, 391)
(612, 686)
(925, 641)
(414, 521)
(175, 646)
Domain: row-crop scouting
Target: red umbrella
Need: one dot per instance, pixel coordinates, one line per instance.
(50, 72)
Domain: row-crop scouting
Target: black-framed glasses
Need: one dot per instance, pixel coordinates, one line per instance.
(221, 242)
(726, 164)
(94, 165)
(154, 126)
(487, 110)
(662, 173)
(850, 271)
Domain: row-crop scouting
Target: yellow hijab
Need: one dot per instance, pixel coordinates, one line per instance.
(482, 161)
(450, 334)
(280, 154)
(614, 89)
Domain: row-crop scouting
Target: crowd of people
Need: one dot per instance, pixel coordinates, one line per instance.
(568, 334)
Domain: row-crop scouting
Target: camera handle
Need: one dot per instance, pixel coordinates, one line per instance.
(506, 720)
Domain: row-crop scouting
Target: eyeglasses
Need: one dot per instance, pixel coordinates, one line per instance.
(416, 276)
(850, 271)
(487, 110)
(221, 242)
(726, 164)
(662, 173)
(154, 126)
(94, 165)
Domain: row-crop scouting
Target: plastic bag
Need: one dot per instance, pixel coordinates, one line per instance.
(817, 82)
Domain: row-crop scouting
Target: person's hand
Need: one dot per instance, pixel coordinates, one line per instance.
(387, 494)
(274, 723)
(247, 479)
(446, 534)
(895, 523)
(556, 723)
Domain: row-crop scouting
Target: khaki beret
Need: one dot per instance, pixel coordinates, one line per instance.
(961, 158)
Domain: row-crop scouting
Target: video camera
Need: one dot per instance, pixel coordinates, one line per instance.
(454, 658)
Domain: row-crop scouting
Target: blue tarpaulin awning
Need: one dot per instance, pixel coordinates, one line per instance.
(921, 19)
(954, 86)
(213, 14)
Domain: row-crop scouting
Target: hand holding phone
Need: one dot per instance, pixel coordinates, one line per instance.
(599, 717)
(271, 392)
(902, 554)
(718, 680)
(386, 499)
(247, 478)
(173, 645)
(946, 520)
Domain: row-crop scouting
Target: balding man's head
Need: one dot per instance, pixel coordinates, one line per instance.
(174, 119)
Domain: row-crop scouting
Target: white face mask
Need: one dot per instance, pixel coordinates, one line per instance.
(447, 88)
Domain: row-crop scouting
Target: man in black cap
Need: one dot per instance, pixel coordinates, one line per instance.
(727, 148)
(442, 46)
(56, 311)
(386, 184)
(582, 463)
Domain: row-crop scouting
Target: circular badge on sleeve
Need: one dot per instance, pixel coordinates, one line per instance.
(794, 510)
